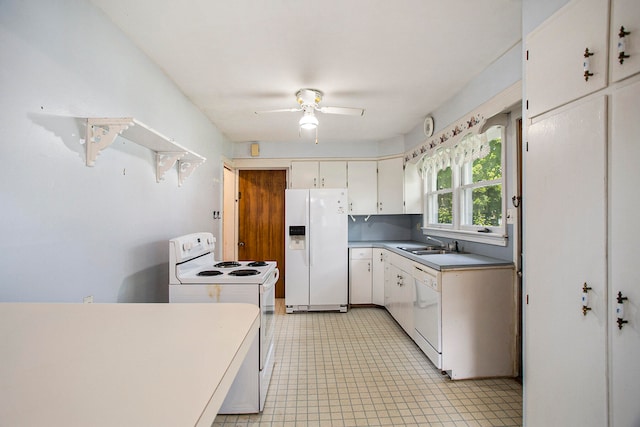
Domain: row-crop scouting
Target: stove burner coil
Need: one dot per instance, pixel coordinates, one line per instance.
(244, 272)
(257, 264)
(210, 273)
(227, 264)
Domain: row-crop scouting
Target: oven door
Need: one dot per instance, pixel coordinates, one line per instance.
(267, 315)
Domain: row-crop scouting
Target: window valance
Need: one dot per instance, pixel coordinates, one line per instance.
(471, 147)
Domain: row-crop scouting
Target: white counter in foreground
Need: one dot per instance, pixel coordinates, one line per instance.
(120, 364)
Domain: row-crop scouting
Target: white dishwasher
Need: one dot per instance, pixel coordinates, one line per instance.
(427, 313)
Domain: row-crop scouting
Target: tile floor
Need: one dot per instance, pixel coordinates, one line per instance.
(360, 369)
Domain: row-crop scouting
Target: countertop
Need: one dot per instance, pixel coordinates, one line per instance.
(120, 364)
(439, 262)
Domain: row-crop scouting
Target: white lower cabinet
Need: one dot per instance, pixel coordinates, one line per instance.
(360, 276)
(378, 260)
(477, 325)
(478, 309)
(400, 291)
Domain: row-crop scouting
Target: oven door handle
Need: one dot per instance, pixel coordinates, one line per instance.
(270, 283)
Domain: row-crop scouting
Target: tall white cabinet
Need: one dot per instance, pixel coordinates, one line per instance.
(580, 217)
(624, 235)
(565, 229)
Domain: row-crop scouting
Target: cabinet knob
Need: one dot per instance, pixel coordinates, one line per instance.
(620, 310)
(622, 45)
(585, 299)
(586, 64)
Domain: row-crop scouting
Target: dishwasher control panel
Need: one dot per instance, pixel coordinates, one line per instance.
(427, 276)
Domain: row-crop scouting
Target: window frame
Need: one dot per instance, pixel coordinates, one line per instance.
(458, 228)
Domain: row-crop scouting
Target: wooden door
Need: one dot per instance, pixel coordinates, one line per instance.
(261, 218)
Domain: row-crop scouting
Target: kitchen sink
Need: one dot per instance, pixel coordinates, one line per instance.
(427, 250)
(430, 251)
(418, 248)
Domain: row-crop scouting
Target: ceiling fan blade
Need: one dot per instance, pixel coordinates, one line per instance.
(282, 110)
(348, 111)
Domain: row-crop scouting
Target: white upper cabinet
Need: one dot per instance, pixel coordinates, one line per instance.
(332, 174)
(412, 189)
(566, 57)
(390, 186)
(303, 175)
(363, 196)
(624, 44)
(329, 174)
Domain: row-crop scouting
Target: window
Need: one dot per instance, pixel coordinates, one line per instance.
(464, 185)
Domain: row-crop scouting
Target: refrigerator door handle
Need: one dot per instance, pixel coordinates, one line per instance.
(310, 254)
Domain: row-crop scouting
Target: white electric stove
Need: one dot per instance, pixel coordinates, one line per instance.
(196, 277)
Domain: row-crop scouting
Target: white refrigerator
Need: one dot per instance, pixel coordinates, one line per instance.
(316, 250)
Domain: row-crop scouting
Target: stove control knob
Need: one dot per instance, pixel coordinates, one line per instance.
(187, 246)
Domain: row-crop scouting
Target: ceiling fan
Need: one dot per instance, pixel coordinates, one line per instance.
(309, 100)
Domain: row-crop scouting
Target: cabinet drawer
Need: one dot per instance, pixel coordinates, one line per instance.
(361, 253)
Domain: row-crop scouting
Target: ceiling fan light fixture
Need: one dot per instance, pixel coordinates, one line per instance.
(308, 121)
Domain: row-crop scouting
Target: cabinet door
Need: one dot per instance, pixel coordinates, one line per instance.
(332, 175)
(363, 191)
(303, 175)
(623, 256)
(360, 281)
(407, 301)
(624, 13)
(412, 189)
(564, 248)
(390, 186)
(555, 55)
(378, 261)
(391, 290)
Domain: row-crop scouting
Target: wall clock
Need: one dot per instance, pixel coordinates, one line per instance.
(428, 126)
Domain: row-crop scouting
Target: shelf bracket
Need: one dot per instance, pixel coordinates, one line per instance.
(185, 167)
(101, 133)
(165, 161)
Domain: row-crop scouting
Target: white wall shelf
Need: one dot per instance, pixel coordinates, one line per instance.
(101, 132)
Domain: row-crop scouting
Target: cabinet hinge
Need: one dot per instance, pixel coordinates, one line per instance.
(526, 105)
(239, 195)
(526, 146)
(527, 55)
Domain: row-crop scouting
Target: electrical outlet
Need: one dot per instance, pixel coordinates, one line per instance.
(88, 299)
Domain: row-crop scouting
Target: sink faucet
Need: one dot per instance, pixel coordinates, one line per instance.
(436, 240)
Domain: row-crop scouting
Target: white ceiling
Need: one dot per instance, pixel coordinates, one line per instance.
(398, 59)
